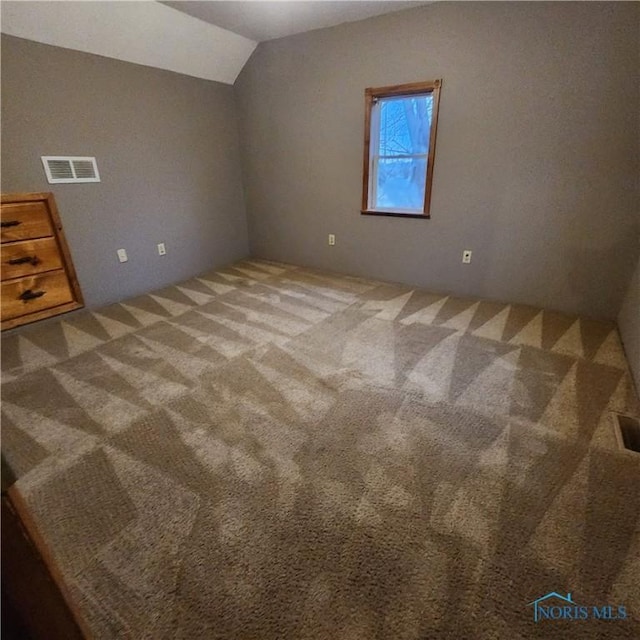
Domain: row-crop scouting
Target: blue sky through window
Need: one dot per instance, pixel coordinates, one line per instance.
(405, 124)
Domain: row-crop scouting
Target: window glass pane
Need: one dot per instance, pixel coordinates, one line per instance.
(400, 183)
(404, 125)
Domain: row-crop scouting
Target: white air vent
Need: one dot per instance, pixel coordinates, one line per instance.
(70, 169)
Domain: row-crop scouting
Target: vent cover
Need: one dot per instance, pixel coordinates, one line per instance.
(61, 169)
(627, 432)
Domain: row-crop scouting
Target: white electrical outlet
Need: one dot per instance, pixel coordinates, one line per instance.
(466, 256)
(122, 255)
(162, 250)
(332, 239)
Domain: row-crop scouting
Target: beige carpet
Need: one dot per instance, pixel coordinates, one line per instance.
(274, 452)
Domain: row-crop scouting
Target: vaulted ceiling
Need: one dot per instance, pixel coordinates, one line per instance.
(208, 39)
(267, 19)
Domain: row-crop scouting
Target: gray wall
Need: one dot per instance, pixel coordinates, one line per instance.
(629, 324)
(536, 159)
(168, 155)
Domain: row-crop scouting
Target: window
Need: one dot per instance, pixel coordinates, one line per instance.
(399, 149)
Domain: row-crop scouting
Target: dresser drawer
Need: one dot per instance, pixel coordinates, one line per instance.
(38, 280)
(24, 220)
(34, 293)
(29, 257)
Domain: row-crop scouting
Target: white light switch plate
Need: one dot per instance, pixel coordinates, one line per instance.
(162, 250)
(122, 255)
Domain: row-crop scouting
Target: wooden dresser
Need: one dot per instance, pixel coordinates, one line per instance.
(38, 278)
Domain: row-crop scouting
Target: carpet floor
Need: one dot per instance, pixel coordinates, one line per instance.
(270, 452)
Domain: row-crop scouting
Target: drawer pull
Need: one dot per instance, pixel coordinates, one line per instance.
(10, 223)
(34, 260)
(31, 295)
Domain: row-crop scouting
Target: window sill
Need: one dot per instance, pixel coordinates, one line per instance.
(394, 214)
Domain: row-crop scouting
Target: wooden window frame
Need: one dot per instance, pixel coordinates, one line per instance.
(370, 96)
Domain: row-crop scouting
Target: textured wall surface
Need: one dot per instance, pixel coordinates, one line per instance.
(536, 162)
(168, 155)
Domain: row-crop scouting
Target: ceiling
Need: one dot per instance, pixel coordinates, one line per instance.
(209, 39)
(147, 33)
(267, 19)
